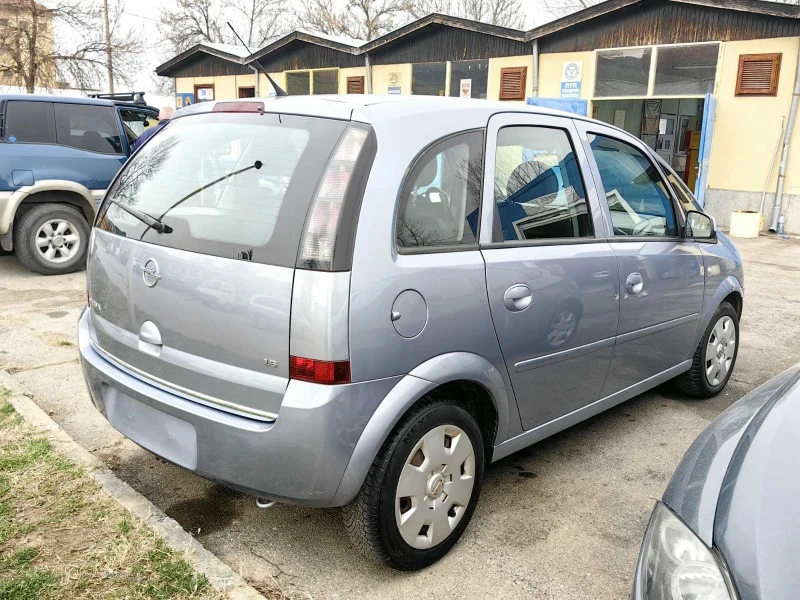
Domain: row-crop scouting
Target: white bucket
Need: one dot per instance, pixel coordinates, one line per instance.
(745, 223)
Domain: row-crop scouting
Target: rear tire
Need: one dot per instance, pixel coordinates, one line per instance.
(715, 357)
(51, 239)
(381, 522)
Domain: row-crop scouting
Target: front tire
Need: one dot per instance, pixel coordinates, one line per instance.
(422, 489)
(52, 239)
(715, 357)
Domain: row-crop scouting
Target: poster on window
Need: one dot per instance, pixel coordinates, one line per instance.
(466, 88)
(205, 94)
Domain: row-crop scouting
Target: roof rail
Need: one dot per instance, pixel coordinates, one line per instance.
(135, 97)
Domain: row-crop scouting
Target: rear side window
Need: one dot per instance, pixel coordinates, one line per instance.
(88, 127)
(30, 122)
(440, 202)
(637, 196)
(537, 185)
(230, 185)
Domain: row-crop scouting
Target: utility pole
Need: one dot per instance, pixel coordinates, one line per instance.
(109, 58)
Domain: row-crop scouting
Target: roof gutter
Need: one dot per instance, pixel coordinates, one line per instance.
(787, 143)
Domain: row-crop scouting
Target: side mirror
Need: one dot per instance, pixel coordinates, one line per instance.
(700, 226)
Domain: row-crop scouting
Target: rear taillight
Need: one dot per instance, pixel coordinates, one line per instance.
(319, 371)
(246, 107)
(319, 235)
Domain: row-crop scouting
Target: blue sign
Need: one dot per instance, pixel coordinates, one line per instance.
(578, 107)
(571, 89)
(182, 100)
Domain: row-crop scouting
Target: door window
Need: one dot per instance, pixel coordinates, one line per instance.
(537, 185)
(637, 196)
(88, 127)
(439, 205)
(30, 122)
(136, 121)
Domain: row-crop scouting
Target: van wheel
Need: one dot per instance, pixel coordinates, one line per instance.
(421, 491)
(51, 239)
(715, 356)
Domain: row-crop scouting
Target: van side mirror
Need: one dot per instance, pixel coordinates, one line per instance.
(700, 226)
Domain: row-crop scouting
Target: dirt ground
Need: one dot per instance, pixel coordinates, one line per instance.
(563, 519)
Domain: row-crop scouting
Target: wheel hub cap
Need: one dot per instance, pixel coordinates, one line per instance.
(435, 485)
(57, 241)
(720, 351)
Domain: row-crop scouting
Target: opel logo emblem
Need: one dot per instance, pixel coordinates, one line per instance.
(150, 273)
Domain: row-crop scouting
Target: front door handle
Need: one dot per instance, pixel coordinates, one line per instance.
(634, 285)
(518, 297)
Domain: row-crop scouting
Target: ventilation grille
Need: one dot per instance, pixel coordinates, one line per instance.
(355, 85)
(758, 74)
(512, 83)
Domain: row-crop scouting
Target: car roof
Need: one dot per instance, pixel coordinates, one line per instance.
(374, 108)
(71, 100)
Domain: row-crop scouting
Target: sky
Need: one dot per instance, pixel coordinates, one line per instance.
(143, 15)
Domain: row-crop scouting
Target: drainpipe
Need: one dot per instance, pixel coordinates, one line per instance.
(787, 142)
(257, 72)
(535, 70)
(369, 73)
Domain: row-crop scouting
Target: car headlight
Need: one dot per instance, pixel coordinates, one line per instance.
(677, 565)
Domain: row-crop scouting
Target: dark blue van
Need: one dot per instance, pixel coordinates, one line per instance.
(57, 157)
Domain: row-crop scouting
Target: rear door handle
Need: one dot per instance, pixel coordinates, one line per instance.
(518, 297)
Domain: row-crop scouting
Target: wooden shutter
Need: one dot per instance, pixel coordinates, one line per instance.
(758, 74)
(355, 85)
(512, 83)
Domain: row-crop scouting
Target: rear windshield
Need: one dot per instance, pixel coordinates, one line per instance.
(229, 185)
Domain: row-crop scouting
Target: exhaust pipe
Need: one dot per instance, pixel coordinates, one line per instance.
(265, 502)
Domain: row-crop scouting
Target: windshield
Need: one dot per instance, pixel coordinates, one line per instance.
(226, 184)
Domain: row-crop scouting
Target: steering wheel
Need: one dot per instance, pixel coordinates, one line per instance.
(434, 190)
(642, 228)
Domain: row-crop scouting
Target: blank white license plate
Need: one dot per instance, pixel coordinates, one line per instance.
(165, 435)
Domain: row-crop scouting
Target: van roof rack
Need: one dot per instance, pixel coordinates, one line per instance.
(135, 97)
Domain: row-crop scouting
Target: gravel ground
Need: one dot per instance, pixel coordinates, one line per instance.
(562, 519)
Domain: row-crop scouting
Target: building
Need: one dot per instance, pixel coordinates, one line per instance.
(23, 64)
(705, 83)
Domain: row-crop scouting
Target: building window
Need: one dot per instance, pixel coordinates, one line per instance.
(355, 85)
(203, 93)
(298, 83)
(686, 70)
(469, 78)
(623, 72)
(247, 92)
(325, 81)
(758, 74)
(428, 79)
(512, 83)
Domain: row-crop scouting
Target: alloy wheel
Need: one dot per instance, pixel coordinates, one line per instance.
(57, 240)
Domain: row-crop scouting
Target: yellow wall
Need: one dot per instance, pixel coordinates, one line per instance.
(351, 72)
(550, 67)
(382, 73)
(226, 87)
(496, 64)
(746, 128)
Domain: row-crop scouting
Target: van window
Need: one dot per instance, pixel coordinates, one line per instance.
(537, 185)
(637, 196)
(233, 185)
(440, 202)
(30, 122)
(88, 127)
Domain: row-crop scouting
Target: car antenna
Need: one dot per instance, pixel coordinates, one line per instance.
(279, 91)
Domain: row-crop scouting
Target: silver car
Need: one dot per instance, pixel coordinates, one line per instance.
(362, 301)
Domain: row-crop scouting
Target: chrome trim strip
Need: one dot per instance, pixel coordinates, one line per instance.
(639, 333)
(192, 395)
(549, 359)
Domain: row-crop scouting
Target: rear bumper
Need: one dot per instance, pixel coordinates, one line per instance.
(299, 458)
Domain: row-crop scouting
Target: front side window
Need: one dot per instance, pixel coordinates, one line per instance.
(685, 197)
(440, 202)
(537, 185)
(637, 196)
(88, 127)
(227, 184)
(136, 121)
(30, 122)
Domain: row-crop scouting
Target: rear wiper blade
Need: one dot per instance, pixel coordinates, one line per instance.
(143, 217)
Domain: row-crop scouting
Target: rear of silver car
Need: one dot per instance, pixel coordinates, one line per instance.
(185, 343)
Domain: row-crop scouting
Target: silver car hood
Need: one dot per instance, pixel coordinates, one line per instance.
(736, 488)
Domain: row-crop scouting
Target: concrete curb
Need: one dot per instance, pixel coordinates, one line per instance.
(220, 576)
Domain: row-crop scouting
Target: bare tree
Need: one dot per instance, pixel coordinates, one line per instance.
(32, 55)
(360, 19)
(562, 8)
(506, 13)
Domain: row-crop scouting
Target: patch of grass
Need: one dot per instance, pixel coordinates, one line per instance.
(124, 526)
(19, 558)
(28, 584)
(21, 454)
(65, 343)
(167, 575)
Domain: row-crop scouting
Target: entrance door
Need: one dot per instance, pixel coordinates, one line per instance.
(552, 278)
(709, 115)
(660, 273)
(665, 146)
